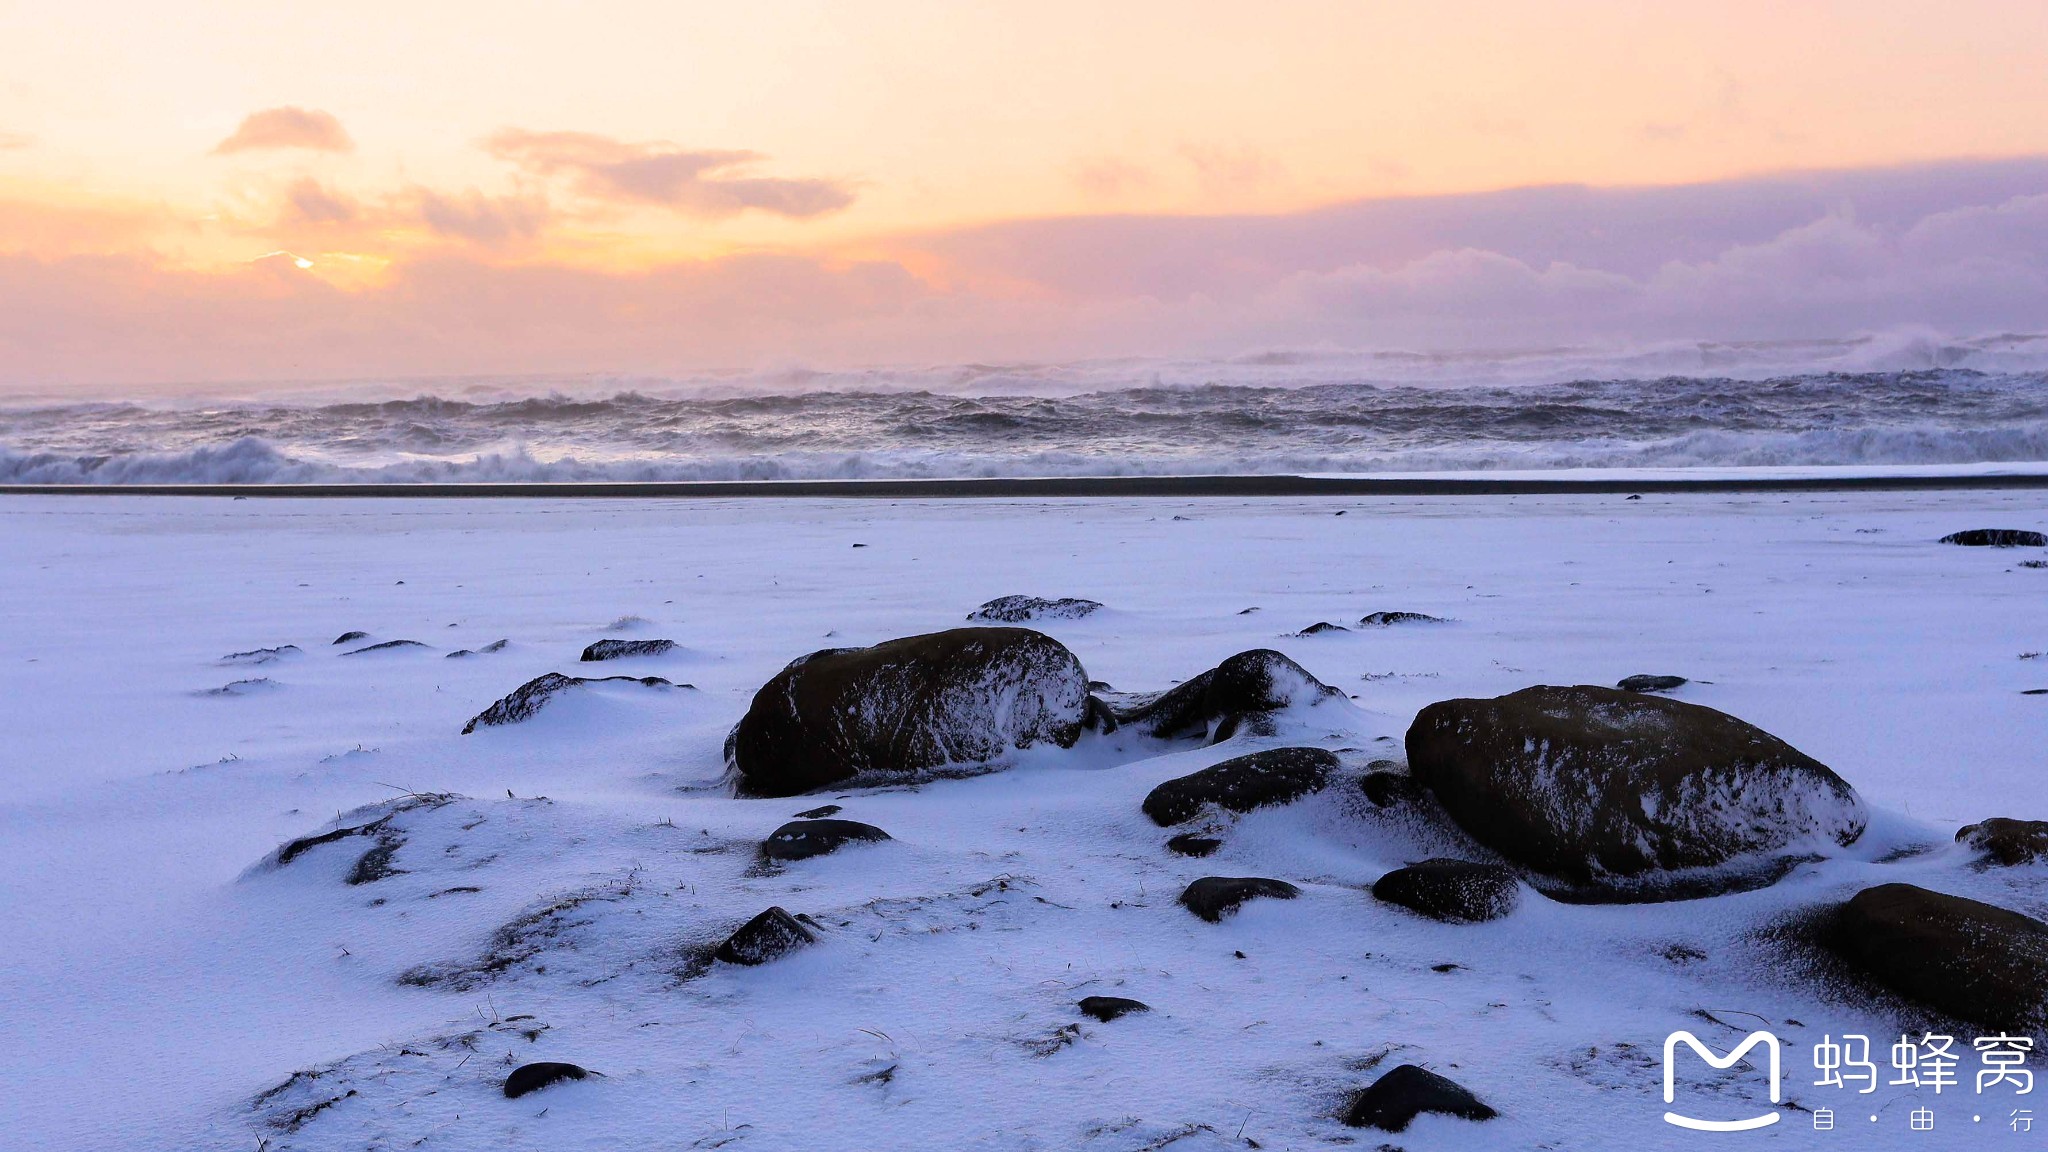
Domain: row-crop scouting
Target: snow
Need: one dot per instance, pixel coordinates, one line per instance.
(160, 976)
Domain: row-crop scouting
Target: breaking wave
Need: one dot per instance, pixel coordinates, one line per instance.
(1930, 416)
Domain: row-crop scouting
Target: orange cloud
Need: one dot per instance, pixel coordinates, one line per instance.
(700, 183)
(287, 127)
(14, 140)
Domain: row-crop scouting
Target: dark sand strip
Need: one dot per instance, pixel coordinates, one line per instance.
(1062, 486)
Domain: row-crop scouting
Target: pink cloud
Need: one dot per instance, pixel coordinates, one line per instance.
(700, 183)
(287, 127)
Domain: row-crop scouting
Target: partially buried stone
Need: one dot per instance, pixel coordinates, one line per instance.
(1214, 897)
(1983, 963)
(1997, 538)
(1107, 1008)
(1242, 783)
(534, 1077)
(1649, 683)
(803, 839)
(626, 649)
(2007, 842)
(1454, 891)
(1397, 1098)
(770, 935)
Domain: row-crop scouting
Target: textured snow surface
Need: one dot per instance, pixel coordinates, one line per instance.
(550, 890)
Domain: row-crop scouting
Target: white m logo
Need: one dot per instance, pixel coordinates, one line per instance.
(1728, 1061)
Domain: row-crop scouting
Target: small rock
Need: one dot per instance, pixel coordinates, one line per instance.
(626, 649)
(1386, 619)
(1020, 609)
(1649, 683)
(1400, 1096)
(1454, 891)
(1214, 897)
(533, 695)
(534, 1077)
(1997, 538)
(803, 839)
(772, 934)
(1107, 1008)
(1986, 964)
(387, 646)
(1386, 788)
(820, 812)
(261, 655)
(1189, 844)
(493, 646)
(351, 637)
(1242, 783)
(1246, 688)
(1321, 627)
(2007, 842)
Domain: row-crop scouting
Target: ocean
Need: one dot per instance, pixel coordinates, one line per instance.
(1291, 413)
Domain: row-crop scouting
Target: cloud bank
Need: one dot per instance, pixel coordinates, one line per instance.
(1960, 249)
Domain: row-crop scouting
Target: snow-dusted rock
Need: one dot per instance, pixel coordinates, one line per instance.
(964, 697)
(1214, 897)
(534, 1077)
(1456, 891)
(1396, 1099)
(1997, 538)
(803, 839)
(1389, 619)
(1107, 1008)
(1023, 609)
(2007, 842)
(1244, 690)
(626, 649)
(1589, 784)
(1650, 682)
(1986, 964)
(1242, 783)
(766, 937)
(533, 695)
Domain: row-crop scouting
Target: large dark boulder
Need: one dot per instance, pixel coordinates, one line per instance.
(1396, 1099)
(965, 697)
(1214, 897)
(772, 934)
(1244, 690)
(1242, 783)
(1454, 891)
(1982, 963)
(2007, 842)
(803, 839)
(1024, 609)
(1588, 784)
(1997, 538)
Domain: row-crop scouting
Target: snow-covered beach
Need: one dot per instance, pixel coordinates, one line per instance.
(167, 976)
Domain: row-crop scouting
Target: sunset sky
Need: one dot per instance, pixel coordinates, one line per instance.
(248, 191)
